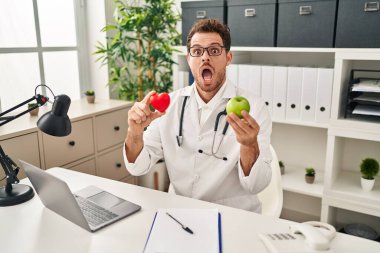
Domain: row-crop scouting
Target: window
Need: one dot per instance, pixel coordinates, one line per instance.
(40, 43)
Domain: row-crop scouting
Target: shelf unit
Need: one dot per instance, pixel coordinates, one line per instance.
(335, 149)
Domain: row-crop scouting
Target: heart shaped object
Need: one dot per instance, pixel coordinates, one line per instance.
(160, 102)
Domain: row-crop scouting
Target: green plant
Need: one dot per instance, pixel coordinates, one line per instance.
(369, 168)
(30, 105)
(310, 172)
(139, 55)
(89, 93)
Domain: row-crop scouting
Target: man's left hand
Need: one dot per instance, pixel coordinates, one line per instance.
(246, 129)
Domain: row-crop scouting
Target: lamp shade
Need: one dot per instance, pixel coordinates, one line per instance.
(56, 122)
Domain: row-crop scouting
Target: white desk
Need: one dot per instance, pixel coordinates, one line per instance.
(30, 227)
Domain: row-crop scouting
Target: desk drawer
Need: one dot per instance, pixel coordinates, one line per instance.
(111, 165)
(87, 167)
(111, 128)
(64, 150)
(24, 147)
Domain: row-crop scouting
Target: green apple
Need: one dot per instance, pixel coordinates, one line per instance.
(237, 105)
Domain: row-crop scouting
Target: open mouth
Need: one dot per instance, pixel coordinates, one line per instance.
(207, 74)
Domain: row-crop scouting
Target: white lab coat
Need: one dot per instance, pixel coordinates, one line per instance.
(200, 176)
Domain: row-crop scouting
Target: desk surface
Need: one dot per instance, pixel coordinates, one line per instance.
(30, 227)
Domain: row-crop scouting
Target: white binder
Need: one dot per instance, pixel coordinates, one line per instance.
(232, 73)
(294, 93)
(267, 76)
(324, 93)
(279, 92)
(309, 90)
(250, 78)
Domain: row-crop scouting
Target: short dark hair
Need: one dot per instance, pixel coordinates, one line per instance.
(210, 26)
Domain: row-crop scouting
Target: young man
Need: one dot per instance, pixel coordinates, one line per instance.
(228, 168)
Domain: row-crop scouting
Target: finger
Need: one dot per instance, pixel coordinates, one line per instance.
(145, 108)
(233, 120)
(146, 99)
(156, 115)
(135, 117)
(141, 113)
(251, 121)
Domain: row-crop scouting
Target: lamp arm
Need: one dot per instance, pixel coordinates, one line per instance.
(10, 168)
(41, 100)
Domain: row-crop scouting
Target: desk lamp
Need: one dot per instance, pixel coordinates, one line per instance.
(55, 123)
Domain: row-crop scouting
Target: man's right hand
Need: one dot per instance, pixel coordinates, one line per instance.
(140, 115)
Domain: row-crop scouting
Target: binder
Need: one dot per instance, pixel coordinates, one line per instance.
(232, 73)
(324, 94)
(279, 92)
(166, 235)
(267, 76)
(249, 78)
(309, 90)
(294, 93)
(183, 80)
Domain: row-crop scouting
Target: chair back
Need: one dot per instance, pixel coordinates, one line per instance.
(272, 196)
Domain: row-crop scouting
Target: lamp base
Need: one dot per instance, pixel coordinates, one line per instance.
(20, 194)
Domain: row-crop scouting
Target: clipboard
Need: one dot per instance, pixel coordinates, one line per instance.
(166, 235)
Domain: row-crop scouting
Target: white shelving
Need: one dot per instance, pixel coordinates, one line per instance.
(335, 149)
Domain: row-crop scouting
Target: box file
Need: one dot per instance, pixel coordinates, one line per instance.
(324, 94)
(294, 93)
(267, 78)
(308, 97)
(279, 92)
(250, 78)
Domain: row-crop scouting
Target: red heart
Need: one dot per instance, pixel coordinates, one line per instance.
(160, 102)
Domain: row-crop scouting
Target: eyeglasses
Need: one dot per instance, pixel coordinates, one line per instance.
(214, 50)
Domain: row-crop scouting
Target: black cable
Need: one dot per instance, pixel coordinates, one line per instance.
(35, 90)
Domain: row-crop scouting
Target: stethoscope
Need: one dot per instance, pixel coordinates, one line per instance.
(213, 153)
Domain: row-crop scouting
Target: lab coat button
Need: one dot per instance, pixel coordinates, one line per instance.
(200, 138)
(196, 177)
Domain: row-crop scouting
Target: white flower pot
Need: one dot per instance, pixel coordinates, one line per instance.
(367, 184)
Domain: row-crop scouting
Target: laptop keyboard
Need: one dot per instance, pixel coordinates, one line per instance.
(94, 214)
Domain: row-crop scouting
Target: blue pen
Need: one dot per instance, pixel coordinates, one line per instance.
(187, 229)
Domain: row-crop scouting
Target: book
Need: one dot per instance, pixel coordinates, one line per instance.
(167, 235)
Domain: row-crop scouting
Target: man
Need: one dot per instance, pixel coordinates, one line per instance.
(229, 168)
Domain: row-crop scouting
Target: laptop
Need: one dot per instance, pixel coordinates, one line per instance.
(90, 208)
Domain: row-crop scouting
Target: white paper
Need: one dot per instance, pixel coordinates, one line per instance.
(367, 110)
(367, 86)
(168, 236)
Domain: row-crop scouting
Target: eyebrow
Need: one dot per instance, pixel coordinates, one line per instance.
(212, 44)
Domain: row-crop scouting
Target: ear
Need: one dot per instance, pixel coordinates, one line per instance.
(229, 58)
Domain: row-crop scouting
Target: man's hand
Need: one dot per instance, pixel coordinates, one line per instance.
(140, 115)
(246, 131)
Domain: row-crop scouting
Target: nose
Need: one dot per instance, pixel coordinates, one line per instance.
(205, 56)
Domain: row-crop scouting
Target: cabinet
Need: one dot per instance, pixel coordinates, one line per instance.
(334, 148)
(94, 145)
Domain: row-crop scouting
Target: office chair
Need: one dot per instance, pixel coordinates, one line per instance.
(272, 197)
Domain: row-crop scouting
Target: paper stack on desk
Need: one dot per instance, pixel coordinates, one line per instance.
(167, 235)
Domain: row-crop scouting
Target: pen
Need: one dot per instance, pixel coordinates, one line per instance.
(187, 229)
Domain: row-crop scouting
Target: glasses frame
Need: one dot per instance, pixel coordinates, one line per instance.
(206, 49)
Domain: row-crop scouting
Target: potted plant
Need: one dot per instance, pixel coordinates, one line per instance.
(282, 167)
(139, 54)
(310, 175)
(369, 168)
(90, 96)
(35, 111)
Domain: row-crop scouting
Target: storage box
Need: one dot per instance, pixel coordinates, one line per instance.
(306, 23)
(196, 10)
(358, 24)
(252, 22)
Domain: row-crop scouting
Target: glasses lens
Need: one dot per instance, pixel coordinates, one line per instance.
(214, 50)
(196, 51)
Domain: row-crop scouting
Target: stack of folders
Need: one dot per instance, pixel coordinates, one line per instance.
(368, 102)
(290, 93)
(185, 231)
